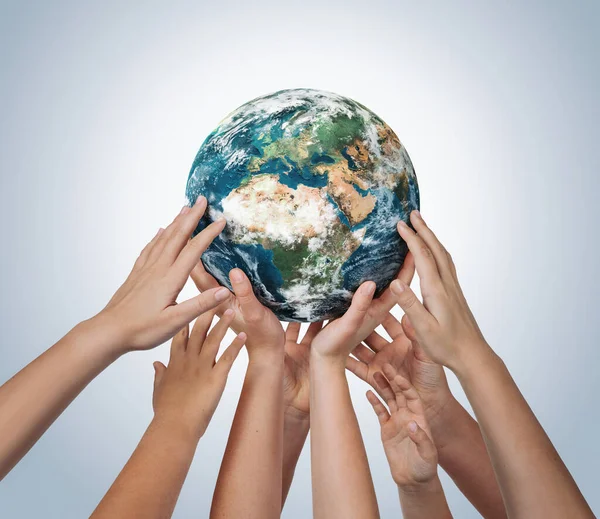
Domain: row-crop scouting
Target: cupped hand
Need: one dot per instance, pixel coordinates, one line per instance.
(296, 388)
(405, 355)
(405, 433)
(144, 312)
(187, 392)
(444, 325)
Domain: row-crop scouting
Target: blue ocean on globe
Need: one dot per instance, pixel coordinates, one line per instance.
(312, 185)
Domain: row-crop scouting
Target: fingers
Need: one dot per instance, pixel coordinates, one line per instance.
(362, 353)
(179, 343)
(202, 279)
(423, 442)
(382, 414)
(252, 310)
(159, 371)
(442, 258)
(386, 392)
(376, 342)
(392, 326)
(192, 252)
(213, 340)
(360, 305)
(186, 312)
(403, 389)
(360, 369)
(143, 257)
(424, 260)
(199, 331)
(407, 300)
(386, 301)
(311, 332)
(407, 272)
(292, 331)
(231, 353)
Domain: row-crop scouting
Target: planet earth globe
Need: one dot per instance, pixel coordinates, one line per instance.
(312, 185)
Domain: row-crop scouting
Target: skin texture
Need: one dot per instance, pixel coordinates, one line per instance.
(460, 447)
(409, 447)
(250, 480)
(186, 394)
(533, 480)
(142, 314)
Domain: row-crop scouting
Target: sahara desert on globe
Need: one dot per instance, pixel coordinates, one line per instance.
(312, 185)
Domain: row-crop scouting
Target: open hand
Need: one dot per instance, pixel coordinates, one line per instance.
(187, 392)
(144, 312)
(296, 389)
(404, 430)
(443, 323)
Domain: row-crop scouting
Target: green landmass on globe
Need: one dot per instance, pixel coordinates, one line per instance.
(312, 185)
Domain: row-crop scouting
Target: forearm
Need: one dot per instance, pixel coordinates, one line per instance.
(150, 483)
(342, 484)
(32, 400)
(463, 455)
(424, 501)
(533, 479)
(295, 432)
(249, 482)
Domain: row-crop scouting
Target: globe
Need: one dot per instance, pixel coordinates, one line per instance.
(312, 185)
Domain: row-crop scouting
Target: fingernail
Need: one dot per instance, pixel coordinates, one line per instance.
(412, 427)
(184, 209)
(222, 294)
(402, 225)
(236, 275)
(228, 312)
(200, 200)
(417, 214)
(397, 286)
(160, 231)
(369, 288)
(242, 336)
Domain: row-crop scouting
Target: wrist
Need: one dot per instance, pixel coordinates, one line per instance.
(332, 361)
(177, 427)
(421, 487)
(479, 358)
(268, 357)
(102, 337)
(295, 418)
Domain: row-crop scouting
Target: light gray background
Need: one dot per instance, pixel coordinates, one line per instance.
(104, 104)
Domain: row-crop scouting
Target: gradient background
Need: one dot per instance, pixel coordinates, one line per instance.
(104, 105)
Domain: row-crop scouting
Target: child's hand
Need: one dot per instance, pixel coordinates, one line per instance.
(187, 392)
(444, 324)
(408, 358)
(296, 389)
(404, 430)
(144, 313)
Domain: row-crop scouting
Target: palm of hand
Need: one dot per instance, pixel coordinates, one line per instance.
(407, 465)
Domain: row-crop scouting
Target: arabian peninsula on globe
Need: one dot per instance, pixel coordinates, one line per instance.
(312, 185)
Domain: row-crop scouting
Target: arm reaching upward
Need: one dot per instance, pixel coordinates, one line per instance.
(457, 438)
(408, 446)
(250, 480)
(142, 314)
(533, 479)
(186, 394)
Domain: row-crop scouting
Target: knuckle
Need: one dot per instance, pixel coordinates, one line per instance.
(426, 251)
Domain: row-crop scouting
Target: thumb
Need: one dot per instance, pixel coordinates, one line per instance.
(159, 371)
(250, 306)
(425, 446)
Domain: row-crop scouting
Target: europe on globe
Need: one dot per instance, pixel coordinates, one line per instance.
(312, 185)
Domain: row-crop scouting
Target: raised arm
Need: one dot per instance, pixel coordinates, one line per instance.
(186, 394)
(249, 483)
(409, 447)
(460, 446)
(142, 314)
(533, 479)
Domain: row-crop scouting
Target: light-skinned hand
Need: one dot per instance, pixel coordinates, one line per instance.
(187, 392)
(144, 312)
(405, 433)
(443, 323)
(296, 388)
(405, 355)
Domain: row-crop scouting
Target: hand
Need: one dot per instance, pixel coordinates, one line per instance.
(187, 392)
(443, 323)
(405, 355)
(404, 430)
(144, 312)
(296, 389)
